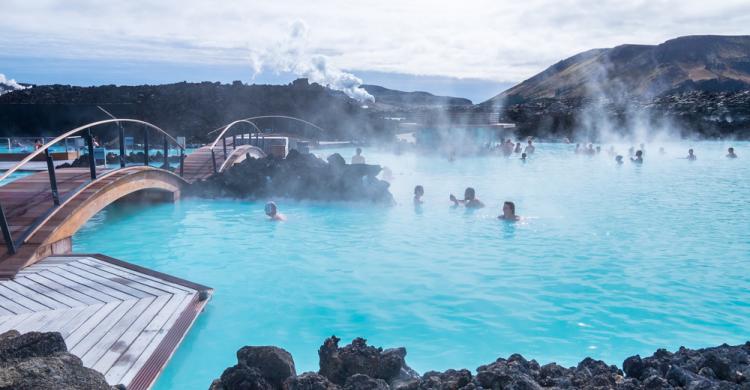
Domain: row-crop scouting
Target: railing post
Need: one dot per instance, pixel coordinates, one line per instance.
(52, 177)
(234, 142)
(6, 232)
(213, 160)
(145, 146)
(92, 160)
(224, 141)
(182, 161)
(166, 153)
(122, 145)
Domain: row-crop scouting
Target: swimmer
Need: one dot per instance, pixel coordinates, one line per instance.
(690, 155)
(523, 157)
(730, 153)
(618, 159)
(509, 212)
(273, 212)
(470, 201)
(38, 144)
(530, 148)
(638, 159)
(598, 149)
(418, 194)
(358, 158)
(518, 148)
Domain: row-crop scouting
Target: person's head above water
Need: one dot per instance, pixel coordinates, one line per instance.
(418, 191)
(639, 153)
(271, 209)
(469, 194)
(523, 156)
(618, 159)
(690, 152)
(359, 151)
(509, 212)
(730, 153)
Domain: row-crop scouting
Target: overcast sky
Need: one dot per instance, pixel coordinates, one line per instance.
(464, 45)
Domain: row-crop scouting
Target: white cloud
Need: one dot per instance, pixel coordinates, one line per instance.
(490, 39)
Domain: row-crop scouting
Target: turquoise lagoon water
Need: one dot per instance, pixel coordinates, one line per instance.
(611, 261)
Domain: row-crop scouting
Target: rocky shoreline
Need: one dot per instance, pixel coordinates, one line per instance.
(358, 366)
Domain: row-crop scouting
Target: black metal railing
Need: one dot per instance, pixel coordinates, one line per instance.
(11, 244)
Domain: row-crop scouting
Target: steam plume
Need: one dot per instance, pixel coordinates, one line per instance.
(8, 85)
(292, 55)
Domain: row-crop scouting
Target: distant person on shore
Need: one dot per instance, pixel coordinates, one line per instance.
(518, 148)
(523, 157)
(470, 200)
(358, 158)
(618, 159)
(691, 156)
(530, 148)
(418, 194)
(273, 212)
(38, 144)
(730, 153)
(509, 212)
(638, 159)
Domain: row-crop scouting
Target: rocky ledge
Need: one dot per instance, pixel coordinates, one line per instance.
(358, 366)
(40, 361)
(298, 176)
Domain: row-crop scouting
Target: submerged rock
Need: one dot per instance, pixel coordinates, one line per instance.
(358, 366)
(298, 176)
(37, 360)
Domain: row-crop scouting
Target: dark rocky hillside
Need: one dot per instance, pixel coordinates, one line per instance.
(187, 109)
(391, 97)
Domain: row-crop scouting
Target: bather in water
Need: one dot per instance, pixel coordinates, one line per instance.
(638, 159)
(618, 159)
(418, 194)
(470, 200)
(691, 156)
(273, 212)
(509, 212)
(730, 153)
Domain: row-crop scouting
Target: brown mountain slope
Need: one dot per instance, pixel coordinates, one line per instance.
(702, 62)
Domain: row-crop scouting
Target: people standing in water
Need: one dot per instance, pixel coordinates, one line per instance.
(530, 148)
(273, 212)
(691, 156)
(358, 158)
(638, 159)
(509, 212)
(470, 200)
(730, 153)
(418, 194)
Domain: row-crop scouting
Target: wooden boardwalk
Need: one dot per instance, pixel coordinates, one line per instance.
(120, 319)
(198, 164)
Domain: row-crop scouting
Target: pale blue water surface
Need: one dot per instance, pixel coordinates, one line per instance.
(611, 261)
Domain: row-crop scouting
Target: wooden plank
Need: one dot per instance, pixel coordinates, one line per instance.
(77, 320)
(87, 326)
(150, 281)
(68, 291)
(108, 339)
(20, 299)
(100, 329)
(11, 323)
(75, 282)
(125, 368)
(11, 305)
(48, 291)
(110, 287)
(129, 281)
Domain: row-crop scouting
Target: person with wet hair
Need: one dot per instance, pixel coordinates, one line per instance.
(273, 212)
(618, 159)
(509, 212)
(691, 156)
(523, 157)
(638, 159)
(358, 158)
(470, 200)
(730, 153)
(418, 194)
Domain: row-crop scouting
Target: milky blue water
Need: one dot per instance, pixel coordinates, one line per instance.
(610, 261)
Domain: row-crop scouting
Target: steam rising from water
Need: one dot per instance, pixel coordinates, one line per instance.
(9, 84)
(292, 55)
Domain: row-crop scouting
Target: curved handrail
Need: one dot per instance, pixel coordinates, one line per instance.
(229, 126)
(226, 162)
(213, 145)
(76, 130)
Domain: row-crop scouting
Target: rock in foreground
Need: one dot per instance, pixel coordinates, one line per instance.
(298, 176)
(358, 366)
(41, 361)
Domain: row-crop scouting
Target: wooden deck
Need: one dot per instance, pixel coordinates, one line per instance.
(198, 165)
(120, 319)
